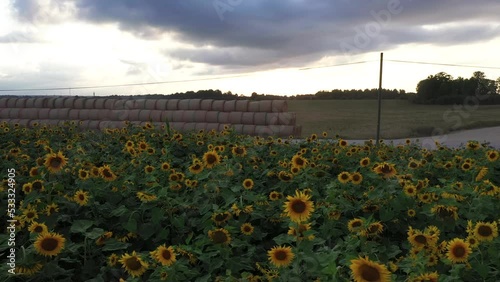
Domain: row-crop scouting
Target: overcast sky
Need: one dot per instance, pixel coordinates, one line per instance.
(267, 44)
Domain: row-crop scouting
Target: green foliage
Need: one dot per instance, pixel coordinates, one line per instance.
(173, 206)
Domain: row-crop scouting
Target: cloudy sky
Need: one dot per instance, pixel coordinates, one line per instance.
(282, 47)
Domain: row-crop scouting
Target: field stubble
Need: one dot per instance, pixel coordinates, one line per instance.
(357, 119)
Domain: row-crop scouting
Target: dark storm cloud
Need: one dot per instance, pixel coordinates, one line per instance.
(246, 33)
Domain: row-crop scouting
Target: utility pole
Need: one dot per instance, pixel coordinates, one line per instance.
(379, 97)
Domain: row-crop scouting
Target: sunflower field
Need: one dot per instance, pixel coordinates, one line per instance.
(151, 204)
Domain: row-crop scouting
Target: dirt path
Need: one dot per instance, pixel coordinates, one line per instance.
(454, 139)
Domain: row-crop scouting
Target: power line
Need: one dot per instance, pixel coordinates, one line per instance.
(121, 85)
(440, 64)
(337, 65)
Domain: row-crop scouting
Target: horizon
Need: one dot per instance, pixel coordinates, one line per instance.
(280, 48)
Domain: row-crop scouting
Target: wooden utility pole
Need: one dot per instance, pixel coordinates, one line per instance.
(379, 97)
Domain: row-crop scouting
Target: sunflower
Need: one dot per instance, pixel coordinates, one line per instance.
(51, 208)
(83, 174)
(344, 177)
(387, 170)
(280, 256)
(133, 264)
(164, 255)
(299, 207)
(298, 161)
(106, 173)
(356, 178)
(413, 164)
(165, 166)
(486, 231)
(247, 228)
(458, 250)
(426, 277)
(355, 225)
(248, 184)
(239, 151)
(29, 270)
(473, 241)
(492, 155)
(211, 159)
(145, 197)
(81, 197)
(49, 244)
(373, 229)
(274, 196)
(113, 259)
(39, 228)
(445, 212)
(364, 162)
(34, 171)
(419, 239)
(29, 214)
(410, 190)
(27, 188)
(285, 176)
(221, 218)
(299, 231)
(466, 166)
(148, 169)
(55, 162)
(482, 173)
(365, 270)
(220, 236)
(196, 168)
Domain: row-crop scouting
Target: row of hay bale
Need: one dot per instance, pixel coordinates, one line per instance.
(249, 129)
(247, 117)
(275, 106)
(257, 118)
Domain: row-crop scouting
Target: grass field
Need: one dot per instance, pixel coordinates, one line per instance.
(357, 119)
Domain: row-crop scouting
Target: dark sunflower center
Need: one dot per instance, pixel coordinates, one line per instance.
(421, 239)
(386, 169)
(493, 155)
(38, 229)
(55, 162)
(219, 237)
(30, 215)
(458, 251)
(247, 228)
(81, 197)
(356, 224)
(239, 151)
(196, 167)
(298, 206)
(166, 254)
(355, 177)
(364, 162)
(369, 273)
(373, 229)
(133, 263)
(49, 244)
(484, 231)
(248, 183)
(106, 173)
(221, 217)
(299, 161)
(211, 159)
(280, 255)
(344, 176)
(83, 174)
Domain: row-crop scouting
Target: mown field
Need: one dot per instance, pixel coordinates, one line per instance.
(357, 119)
(141, 204)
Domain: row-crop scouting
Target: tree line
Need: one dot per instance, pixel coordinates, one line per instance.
(440, 88)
